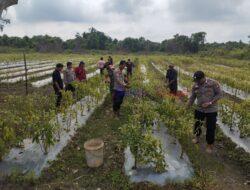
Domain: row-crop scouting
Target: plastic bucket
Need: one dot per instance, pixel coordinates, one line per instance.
(94, 152)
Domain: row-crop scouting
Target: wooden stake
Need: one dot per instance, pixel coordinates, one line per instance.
(26, 73)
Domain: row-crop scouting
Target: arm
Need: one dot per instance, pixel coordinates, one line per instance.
(171, 82)
(57, 86)
(192, 97)
(217, 95)
(167, 75)
(120, 82)
(84, 75)
(65, 77)
(54, 78)
(174, 80)
(217, 92)
(76, 73)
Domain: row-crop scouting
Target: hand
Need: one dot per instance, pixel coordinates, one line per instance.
(126, 86)
(205, 105)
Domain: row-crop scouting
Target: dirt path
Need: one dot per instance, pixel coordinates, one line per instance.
(227, 174)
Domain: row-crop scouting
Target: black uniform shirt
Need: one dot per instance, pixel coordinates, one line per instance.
(56, 77)
(171, 75)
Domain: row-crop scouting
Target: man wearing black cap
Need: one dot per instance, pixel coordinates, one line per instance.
(207, 92)
(171, 76)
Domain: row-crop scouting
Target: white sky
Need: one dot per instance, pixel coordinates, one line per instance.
(156, 20)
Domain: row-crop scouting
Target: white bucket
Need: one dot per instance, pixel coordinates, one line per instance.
(94, 152)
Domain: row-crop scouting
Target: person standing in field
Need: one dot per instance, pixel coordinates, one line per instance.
(110, 69)
(80, 72)
(119, 88)
(101, 65)
(207, 92)
(110, 60)
(69, 77)
(172, 78)
(130, 66)
(58, 83)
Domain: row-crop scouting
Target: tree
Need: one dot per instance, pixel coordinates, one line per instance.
(4, 4)
(198, 41)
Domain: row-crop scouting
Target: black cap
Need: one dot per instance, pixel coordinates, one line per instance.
(198, 75)
(69, 63)
(122, 62)
(81, 63)
(171, 66)
(59, 65)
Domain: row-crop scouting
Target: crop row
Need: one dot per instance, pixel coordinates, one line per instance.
(228, 110)
(233, 77)
(35, 116)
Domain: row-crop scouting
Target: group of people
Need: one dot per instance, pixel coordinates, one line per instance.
(69, 75)
(118, 79)
(206, 93)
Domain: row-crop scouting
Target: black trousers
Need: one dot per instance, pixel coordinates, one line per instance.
(129, 73)
(173, 88)
(69, 87)
(101, 71)
(118, 100)
(58, 98)
(210, 120)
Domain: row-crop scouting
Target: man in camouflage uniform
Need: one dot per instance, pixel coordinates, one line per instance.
(207, 92)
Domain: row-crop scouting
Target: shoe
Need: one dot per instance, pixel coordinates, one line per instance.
(209, 149)
(196, 140)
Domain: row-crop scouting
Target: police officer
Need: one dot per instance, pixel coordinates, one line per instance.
(207, 92)
(171, 77)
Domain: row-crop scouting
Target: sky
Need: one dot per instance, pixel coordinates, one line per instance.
(156, 20)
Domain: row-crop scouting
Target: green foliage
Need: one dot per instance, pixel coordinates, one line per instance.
(137, 133)
(34, 116)
(243, 111)
(7, 138)
(96, 40)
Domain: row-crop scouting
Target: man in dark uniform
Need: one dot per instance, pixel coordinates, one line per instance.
(58, 83)
(207, 92)
(171, 77)
(110, 69)
(130, 66)
(110, 60)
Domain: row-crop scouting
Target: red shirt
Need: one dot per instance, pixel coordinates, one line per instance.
(80, 73)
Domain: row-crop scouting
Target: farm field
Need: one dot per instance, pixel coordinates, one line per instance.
(150, 118)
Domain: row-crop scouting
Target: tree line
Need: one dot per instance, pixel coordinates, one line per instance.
(97, 40)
